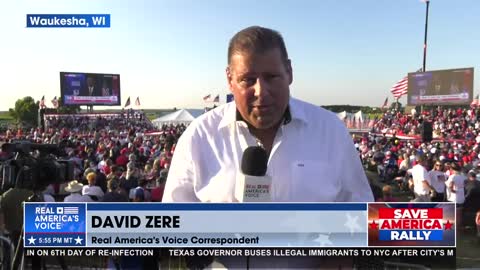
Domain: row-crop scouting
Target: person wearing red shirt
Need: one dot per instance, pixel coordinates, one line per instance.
(122, 160)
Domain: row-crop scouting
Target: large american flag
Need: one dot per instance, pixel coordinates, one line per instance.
(401, 87)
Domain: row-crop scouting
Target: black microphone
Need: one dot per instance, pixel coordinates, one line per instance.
(252, 183)
(254, 161)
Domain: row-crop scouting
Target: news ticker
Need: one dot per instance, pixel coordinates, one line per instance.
(243, 225)
(257, 252)
(69, 99)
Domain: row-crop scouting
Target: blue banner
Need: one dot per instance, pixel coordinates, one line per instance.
(68, 20)
(410, 235)
(55, 224)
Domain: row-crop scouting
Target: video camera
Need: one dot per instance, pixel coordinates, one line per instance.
(34, 166)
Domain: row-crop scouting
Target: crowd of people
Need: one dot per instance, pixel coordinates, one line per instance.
(446, 168)
(114, 159)
(117, 160)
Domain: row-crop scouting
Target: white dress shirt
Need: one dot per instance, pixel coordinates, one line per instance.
(313, 159)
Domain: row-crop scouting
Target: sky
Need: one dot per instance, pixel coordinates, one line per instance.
(172, 53)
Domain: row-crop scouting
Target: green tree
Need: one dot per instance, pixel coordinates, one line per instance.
(25, 111)
(396, 105)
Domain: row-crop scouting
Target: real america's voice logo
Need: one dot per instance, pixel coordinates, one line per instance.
(68, 20)
(411, 225)
(54, 225)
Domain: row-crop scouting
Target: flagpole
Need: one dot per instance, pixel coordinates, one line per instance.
(425, 40)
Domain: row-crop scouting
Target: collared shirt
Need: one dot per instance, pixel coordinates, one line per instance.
(313, 159)
(420, 174)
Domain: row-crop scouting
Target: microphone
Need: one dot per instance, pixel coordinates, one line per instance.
(252, 185)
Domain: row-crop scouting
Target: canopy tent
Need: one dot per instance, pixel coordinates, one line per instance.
(357, 117)
(177, 117)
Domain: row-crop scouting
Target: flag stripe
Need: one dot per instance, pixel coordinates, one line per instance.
(401, 87)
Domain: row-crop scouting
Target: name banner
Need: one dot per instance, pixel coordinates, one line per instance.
(247, 225)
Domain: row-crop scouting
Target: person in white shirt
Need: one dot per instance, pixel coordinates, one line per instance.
(438, 178)
(94, 192)
(455, 186)
(311, 154)
(456, 191)
(421, 181)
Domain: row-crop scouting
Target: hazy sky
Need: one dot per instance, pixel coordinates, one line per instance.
(172, 53)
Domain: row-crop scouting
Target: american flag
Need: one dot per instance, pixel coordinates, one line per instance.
(70, 210)
(42, 102)
(401, 87)
(475, 102)
(55, 102)
(67, 210)
(385, 103)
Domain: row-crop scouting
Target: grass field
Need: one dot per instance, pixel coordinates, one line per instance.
(5, 116)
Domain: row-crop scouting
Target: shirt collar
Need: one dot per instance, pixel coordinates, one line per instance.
(294, 112)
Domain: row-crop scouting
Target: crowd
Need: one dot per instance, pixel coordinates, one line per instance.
(114, 160)
(117, 158)
(447, 168)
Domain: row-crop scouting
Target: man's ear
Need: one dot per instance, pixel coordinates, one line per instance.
(229, 78)
(289, 71)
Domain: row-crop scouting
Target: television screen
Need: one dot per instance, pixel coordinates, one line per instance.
(90, 88)
(441, 87)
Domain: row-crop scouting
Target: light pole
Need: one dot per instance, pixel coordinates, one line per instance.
(425, 40)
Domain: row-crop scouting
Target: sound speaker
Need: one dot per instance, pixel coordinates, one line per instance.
(427, 131)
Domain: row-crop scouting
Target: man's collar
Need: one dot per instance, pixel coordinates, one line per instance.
(293, 112)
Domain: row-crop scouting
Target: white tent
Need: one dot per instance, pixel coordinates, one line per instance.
(342, 115)
(358, 116)
(177, 117)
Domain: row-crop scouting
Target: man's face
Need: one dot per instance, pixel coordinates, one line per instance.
(260, 86)
(90, 81)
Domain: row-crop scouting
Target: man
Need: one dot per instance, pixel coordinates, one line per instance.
(311, 154)
(91, 88)
(421, 181)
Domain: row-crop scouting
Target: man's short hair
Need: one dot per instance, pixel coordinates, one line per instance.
(256, 39)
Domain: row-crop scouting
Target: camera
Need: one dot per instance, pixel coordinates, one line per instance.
(34, 166)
